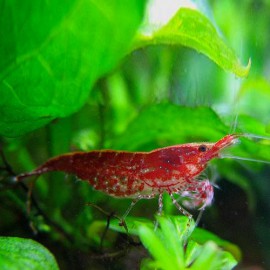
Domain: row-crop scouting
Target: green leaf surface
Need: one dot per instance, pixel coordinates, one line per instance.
(132, 224)
(201, 236)
(19, 253)
(190, 28)
(52, 53)
(172, 124)
(173, 242)
(254, 98)
(211, 258)
(208, 258)
(192, 252)
(153, 242)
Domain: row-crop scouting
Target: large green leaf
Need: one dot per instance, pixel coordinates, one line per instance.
(190, 28)
(51, 54)
(170, 124)
(18, 253)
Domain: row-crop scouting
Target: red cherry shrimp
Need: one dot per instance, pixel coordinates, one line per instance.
(144, 175)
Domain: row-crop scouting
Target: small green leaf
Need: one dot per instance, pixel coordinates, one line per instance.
(148, 264)
(201, 236)
(53, 53)
(211, 258)
(132, 224)
(173, 243)
(183, 225)
(192, 252)
(158, 248)
(18, 253)
(190, 28)
(166, 244)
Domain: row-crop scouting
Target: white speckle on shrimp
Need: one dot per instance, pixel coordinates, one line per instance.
(191, 168)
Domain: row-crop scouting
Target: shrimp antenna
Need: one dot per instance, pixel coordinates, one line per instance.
(250, 136)
(244, 158)
(234, 124)
(253, 136)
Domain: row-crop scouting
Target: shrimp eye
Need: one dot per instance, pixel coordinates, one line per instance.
(202, 148)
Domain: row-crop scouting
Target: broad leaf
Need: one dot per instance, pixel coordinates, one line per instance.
(190, 28)
(170, 124)
(52, 53)
(19, 253)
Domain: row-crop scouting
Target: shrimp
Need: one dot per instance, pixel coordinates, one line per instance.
(144, 175)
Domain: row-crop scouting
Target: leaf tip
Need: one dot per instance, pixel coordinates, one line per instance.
(243, 71)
